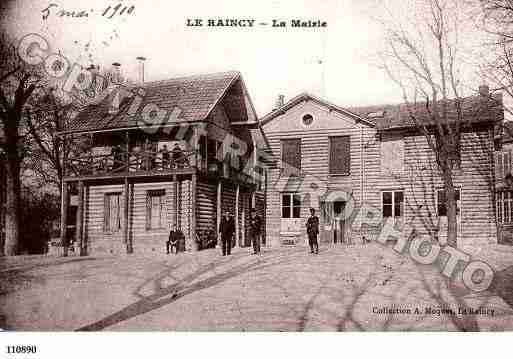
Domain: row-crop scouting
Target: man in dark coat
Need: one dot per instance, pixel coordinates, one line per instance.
(117, 157)
(165, 157)
(312, 229)
(172, 241)
(255, 230)
(178, 157)
(226, 231)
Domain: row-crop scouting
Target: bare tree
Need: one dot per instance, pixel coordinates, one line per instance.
(45, 118)
(50, 112)
(17, 84)
(423, 57)
(495, 18)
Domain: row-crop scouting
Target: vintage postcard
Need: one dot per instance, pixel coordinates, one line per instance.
(255, 166)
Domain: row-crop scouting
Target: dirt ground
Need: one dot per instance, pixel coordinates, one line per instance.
(284, 289)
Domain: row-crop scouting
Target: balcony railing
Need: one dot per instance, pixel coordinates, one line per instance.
(140, 162)
(132, 162)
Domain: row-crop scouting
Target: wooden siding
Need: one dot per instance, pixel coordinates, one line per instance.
(228, 198)
(419, 179)
(244, 214)
(97, 240)
(185, 211)
(143, 239)
(314, 161)
(206, 206)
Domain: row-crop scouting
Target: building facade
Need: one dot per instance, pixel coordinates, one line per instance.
(335, 159)
(171, 153)
(504, 187)
(3, 189)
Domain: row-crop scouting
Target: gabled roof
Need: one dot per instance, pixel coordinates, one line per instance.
(474, 109)
(196, 96)
(305, 97)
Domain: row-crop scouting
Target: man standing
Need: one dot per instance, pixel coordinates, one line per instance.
(312, 229)
(255, 230)
(172, 241)
(226, 231)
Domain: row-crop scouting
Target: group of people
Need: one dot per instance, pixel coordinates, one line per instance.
(147, 160)
(174, 159)
(227, 231)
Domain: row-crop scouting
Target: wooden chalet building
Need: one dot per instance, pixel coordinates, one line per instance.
(144, 161)
(375, 155)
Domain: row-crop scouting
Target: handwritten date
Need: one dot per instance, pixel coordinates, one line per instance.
(108, 12)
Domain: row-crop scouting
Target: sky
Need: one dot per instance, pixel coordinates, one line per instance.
(332, 62)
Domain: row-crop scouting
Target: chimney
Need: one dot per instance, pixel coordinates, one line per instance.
(140, 69)
(116, 73)
(279, 101)
(115, 93)
(96, 83)
(114, 102)
(484, 90)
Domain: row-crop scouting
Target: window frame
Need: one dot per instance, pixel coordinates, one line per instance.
(458, 205)
(504, 212)
(335, 174)
(503, 160)
(291, 206)
(312, 119)
(156, 193)
(298, 139)
(393, 192)
(107, 225)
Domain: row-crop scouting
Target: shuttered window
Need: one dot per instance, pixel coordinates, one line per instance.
(111, 213)
(392, 156)
(291, 153)
(156, 209)
(340, 155)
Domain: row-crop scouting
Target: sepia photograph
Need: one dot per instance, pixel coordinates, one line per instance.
(272, 166)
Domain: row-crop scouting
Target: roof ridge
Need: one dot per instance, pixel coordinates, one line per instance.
(194, 76)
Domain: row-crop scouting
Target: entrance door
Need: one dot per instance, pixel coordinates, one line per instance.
(338, 222)
(332, 219)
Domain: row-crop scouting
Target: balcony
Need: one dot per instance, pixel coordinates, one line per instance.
(133, 164)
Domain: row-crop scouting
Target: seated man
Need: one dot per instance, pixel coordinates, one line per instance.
(172, 241)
